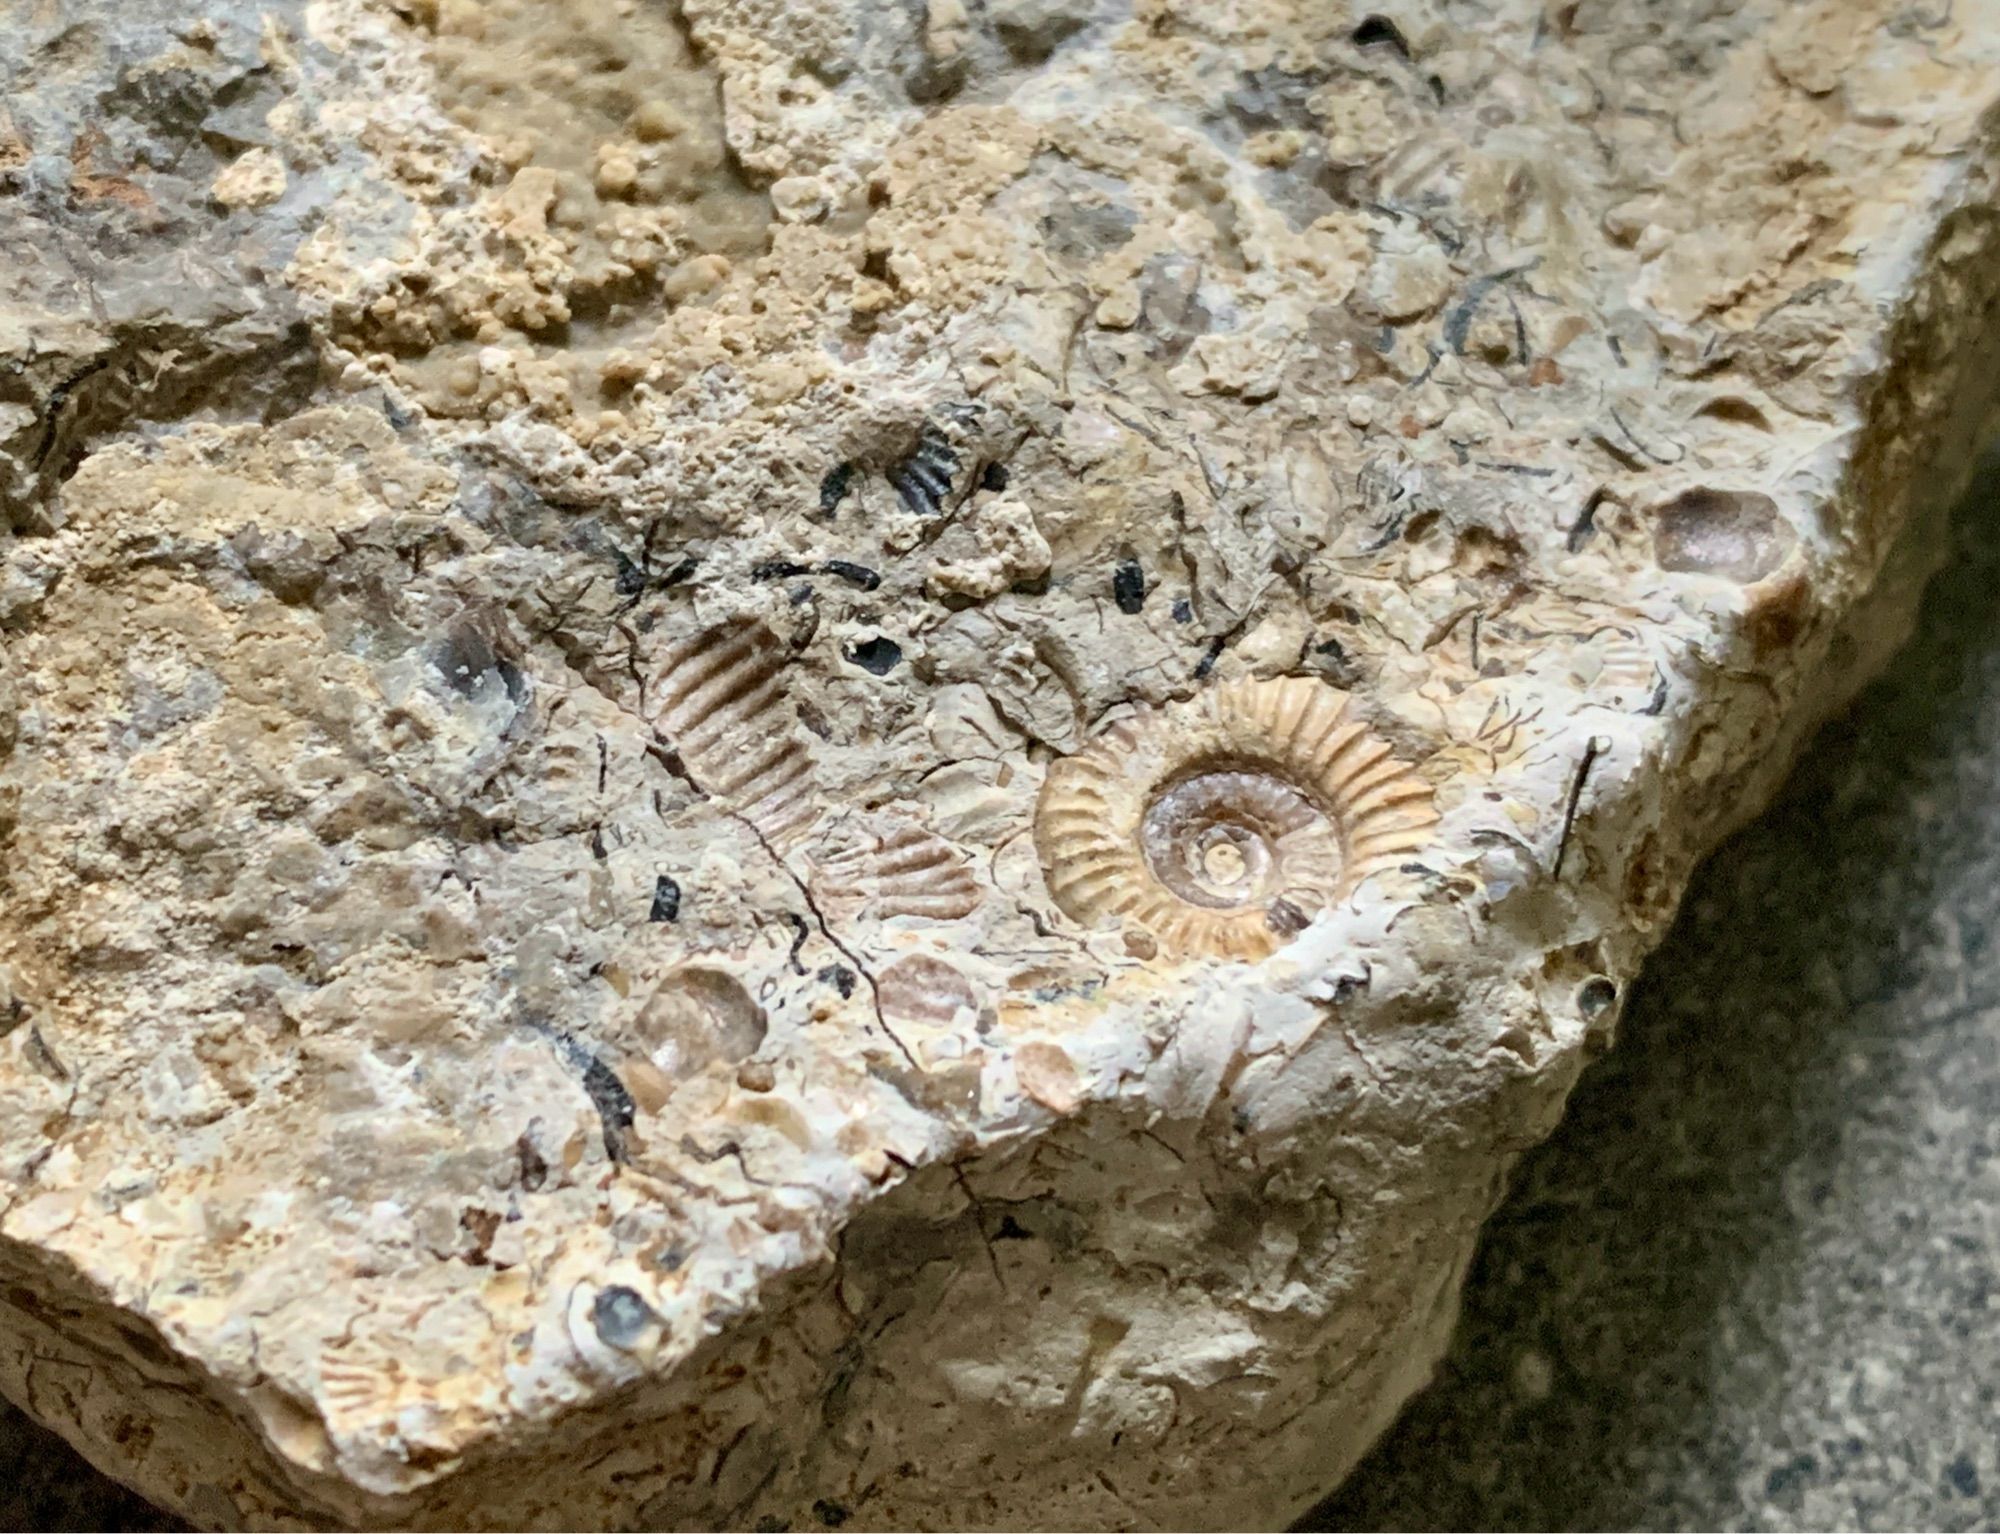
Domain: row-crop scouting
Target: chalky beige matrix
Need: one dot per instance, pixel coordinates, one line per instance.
(800, 763)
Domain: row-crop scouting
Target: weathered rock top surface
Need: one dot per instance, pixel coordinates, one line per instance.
(822, 760)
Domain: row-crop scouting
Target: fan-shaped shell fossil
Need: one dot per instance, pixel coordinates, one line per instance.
(1224, 824)
(902, 870)
(354, 1391)
(921, 989)
(697, 1017)
(1737, 535)
(719, 700)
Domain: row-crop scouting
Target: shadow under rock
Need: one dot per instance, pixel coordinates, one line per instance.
(45, 1484)
(1787, 1161)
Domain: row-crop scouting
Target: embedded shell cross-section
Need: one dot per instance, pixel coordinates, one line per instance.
(1225, 824)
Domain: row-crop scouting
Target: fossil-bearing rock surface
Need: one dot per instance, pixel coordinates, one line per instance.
(797, 762)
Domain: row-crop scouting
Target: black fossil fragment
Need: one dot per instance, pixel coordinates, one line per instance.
(621, 1317)
(666, 900)
(615, 1109)
(878, 655)
(834, 487)
(1128, 586)
(924, 479)
(853, 574)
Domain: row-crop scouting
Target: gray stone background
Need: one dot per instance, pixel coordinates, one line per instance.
(1751, 1282)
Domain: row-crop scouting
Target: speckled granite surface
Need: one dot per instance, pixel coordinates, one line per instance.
(1751, 1282)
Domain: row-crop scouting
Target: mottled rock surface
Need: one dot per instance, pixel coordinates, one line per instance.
(1765, 1297)
(854, 763)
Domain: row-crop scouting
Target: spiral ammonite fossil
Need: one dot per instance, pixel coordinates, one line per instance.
(1223, 825)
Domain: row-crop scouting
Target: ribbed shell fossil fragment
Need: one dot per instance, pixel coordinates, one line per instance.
(719, 700)
(899, 869)
(1224, 824)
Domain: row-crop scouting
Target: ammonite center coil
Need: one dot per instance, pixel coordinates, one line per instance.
(1225, 824)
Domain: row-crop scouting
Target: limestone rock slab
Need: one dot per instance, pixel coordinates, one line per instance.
(796, 764)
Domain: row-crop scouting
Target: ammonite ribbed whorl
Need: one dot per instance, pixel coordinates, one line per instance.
(1225, 824)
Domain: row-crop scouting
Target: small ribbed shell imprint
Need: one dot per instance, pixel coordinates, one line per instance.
(1225, 824)
(902, 870)
(719, 700)
(1626, 667)
(354, 1391)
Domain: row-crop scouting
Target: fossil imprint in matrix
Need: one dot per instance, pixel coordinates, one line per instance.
(1224, 825)
(816, 764)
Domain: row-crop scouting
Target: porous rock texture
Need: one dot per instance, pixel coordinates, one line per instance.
(800, 762)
